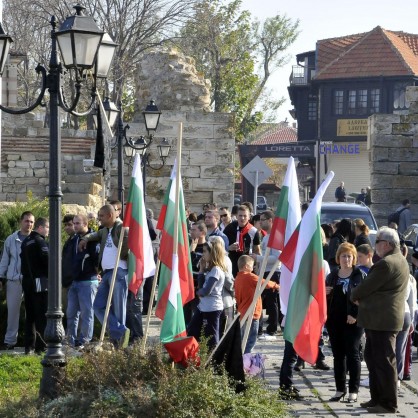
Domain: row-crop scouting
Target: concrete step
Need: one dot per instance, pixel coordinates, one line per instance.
(83, 178)
(89, 188)
(82, 199)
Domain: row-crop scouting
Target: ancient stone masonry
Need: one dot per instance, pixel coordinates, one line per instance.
(182, 94)
(393, 140)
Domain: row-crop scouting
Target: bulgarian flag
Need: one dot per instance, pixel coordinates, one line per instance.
(285, 222)
(307, 307)
(141, 259)
(288, 212)
(176, 286)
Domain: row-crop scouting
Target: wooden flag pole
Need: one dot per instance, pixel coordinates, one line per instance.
(263, 286)
(177, 207)
(251, 309)
(112, 285)
(220, 341)
(151, 302)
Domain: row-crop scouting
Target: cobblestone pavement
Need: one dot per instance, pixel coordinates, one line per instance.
(317, 387)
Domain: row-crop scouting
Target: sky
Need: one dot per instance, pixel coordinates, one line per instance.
(324, 19)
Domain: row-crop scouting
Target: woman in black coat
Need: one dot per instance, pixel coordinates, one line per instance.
(344, 334)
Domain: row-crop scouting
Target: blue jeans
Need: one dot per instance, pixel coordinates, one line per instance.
(252, 336)
(117, 312)
(209, 322)
(80, 300)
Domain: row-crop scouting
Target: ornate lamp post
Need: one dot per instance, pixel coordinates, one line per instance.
(78, 40)
(123, 142)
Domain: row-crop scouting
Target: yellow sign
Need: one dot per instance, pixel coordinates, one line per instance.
(352, 127)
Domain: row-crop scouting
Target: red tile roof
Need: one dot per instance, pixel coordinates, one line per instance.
(376, 53)
(279, 136)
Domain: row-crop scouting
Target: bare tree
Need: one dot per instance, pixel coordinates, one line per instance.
(135, 25)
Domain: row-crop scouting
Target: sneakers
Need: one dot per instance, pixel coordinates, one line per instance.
(7, 347)
(29, 351)
(368, 404)
(321, 365)
(290, 394)
(124, 340)
(300, 364)
(365, 382)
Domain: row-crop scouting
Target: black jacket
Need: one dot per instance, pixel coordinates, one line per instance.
(356, 278)
(34, 255)
(85, 262)
(67, 262)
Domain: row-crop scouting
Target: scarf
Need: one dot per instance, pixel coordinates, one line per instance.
(241, 233)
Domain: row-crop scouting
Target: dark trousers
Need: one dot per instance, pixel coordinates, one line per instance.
(147, 289)
(226, 318)
(345, 344)
(134, 315)
(209, 322)
(36, 305)
(289, 361)
(271, 302)
(381, 361)
(189, 309)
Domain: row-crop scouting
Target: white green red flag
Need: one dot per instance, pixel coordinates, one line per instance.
(307, 306)
(285, 222)
(288, 214)
(141, 259)
(175, 272)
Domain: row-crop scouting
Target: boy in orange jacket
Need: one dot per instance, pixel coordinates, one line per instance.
(245, 284)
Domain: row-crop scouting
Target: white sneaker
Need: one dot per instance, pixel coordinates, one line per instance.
(365, 382)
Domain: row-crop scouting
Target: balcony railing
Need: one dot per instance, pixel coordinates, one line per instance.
(301, 75)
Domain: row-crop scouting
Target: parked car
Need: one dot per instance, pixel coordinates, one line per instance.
(261, 203)
(332, 212)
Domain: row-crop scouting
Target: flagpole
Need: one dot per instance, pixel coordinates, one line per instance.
(112, 285)
(251, 309)
(151, 301)
(220, 341)
(177, 207)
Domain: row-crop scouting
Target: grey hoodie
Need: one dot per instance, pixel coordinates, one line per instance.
(10, 260)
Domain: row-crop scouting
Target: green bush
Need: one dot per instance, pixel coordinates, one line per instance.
(130, 384)
(10, 214)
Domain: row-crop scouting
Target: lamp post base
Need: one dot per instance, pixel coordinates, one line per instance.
(52, 375)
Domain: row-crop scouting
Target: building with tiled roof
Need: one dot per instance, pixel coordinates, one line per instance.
(279, 135)
(338, 85)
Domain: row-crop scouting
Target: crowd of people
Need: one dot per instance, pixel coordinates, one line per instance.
(369, 291)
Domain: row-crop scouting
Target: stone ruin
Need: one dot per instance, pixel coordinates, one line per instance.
(182, 94)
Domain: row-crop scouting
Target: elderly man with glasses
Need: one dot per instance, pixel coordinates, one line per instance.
(381, 300)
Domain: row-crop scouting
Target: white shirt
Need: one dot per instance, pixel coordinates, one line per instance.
(110, 254)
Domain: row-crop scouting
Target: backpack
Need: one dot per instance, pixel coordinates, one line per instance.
(394, 217)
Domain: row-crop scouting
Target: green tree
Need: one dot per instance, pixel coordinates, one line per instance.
(238, 55)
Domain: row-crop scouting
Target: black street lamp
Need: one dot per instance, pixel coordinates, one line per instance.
(124, 143)
(78, 40)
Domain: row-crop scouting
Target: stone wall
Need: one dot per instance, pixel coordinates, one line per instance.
(207, 161)
(169, 78)
(207, 158)
(393, 140)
